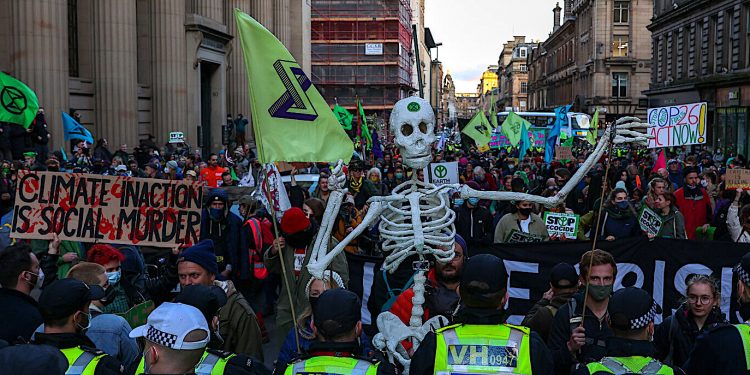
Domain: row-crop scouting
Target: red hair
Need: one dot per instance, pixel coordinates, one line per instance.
(103, 254)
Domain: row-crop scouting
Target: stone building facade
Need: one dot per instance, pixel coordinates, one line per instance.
(598, 58)
(514, 75)
(701, 53)
(134, 68)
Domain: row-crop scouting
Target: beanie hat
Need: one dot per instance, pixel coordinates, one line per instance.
(201, 254)
(294, 220)
(461, 242)
(218, 195)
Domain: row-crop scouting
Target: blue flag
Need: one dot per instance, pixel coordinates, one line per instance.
(561, 118)
(525, 143)
(376, 149)
(74, 130)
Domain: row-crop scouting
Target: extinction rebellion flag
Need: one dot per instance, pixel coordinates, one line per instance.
(18, 103)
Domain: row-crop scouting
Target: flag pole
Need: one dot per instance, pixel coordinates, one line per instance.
(271, 205)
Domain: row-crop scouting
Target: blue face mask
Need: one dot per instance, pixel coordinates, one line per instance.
(458, 202)
(399, 175)
(622, 205)
(114, 277)
(215, 213)
(473, 201)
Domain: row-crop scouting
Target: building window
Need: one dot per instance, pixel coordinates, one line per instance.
(622, 11)
(73, 38)
(619, 85)
(620, 46)
(747, 37)
(523, 68)
(524, 87)
(522, 52)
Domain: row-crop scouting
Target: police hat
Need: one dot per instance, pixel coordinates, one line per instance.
(483, 274)
(337, 312)
(64, 297)
(742, 269)
(631, 308)
(207, 299)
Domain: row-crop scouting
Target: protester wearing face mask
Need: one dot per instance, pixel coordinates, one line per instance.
(582, 338)
(619, 219)
(65, 308)
(694, 203)
(19, 275)
(376, 177)
(108, 332)
(111, 258)
(474, 222)
(222, 226)
(524, 222)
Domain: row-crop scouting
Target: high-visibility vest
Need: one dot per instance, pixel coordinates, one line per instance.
(745, 335)
(629, 365)
(256, 262)
(210, 364)
(82, 362)
(479, 349)
(332, 366)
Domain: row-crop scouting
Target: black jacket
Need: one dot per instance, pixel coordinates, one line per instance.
(19, 314)
(475, 225)
(619, 347)
(542, 315)
(597, 332)
(717, 351)
(678, 332)
(107, 365)
(423, 361)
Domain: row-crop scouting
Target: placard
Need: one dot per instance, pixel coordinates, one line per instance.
(373, 48)
(561, 224)
(677, 125)
(516, 236)
(650, 221)
(737, 179)
(176, 137)
(444, 173)
(563, 153)
(112, 209)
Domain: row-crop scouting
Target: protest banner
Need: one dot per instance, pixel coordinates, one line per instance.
(737, 179)
(113, 209)
(444, 173)
(516, 236)
(561, 224)
(499, 140)
(650, 221)
(563, 153)
(176, 137)
(677, 125)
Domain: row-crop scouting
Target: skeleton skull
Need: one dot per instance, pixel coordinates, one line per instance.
(413, 125)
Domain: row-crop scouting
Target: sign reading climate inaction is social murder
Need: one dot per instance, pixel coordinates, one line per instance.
(123, 210)
(677, 125)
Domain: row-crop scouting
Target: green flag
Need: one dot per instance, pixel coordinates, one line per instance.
(513, 126)
(479, 129)
(363, 124)
(345, 118)
(291, 120)
(493, 115)
(566, 140)
(593, 129)
(18, 103)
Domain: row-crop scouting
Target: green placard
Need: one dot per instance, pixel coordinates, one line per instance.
(516, 236)
(561, 224)
(138, 314)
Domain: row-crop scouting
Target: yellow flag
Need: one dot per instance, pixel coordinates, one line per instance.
(291, 120)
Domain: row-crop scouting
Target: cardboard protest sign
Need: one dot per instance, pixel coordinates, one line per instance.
(737, 179)
(123, 210)
(444, 173)
(563, 153)
(561, 224)
(677, 125)
(650, 221)
(517, 236)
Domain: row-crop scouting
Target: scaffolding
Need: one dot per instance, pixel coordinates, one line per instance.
(362, 48)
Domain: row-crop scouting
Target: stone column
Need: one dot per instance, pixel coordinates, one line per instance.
(115, 71)
(238, 98)
(262, 10)
(212, 9)
(169, 69)
(281, 24)
(39, 56)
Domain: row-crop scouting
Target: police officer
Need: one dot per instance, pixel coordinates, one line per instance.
(64, 306)
(481, 342)
(337, 327)
(630, 351)
(723, 350)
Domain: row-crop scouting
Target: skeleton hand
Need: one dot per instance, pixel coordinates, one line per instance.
(338, 178)
(393, 332)
(627, 131)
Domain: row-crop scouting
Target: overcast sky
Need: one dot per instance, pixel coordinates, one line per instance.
(473, 32)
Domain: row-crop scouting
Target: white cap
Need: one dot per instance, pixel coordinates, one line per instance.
(170, 323)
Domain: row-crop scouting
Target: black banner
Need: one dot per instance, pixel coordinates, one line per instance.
(660, 267)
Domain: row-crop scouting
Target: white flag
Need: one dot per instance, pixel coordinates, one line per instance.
(271, 185)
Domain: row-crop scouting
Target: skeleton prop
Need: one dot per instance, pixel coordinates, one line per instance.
(416, 218)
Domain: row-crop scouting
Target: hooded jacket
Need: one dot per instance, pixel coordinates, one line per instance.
(225, 232)
(675, 337)
(672, 225)
(619, 223)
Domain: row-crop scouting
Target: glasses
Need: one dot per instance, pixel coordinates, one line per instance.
(704, 300)
(214, 160)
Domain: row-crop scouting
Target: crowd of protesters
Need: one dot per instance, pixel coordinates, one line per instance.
(243, 271)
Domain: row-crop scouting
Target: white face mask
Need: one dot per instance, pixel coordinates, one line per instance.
(39, 279)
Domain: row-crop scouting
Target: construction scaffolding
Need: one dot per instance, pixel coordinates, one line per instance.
(362, 48)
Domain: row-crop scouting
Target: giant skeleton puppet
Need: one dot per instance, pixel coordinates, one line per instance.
(416, 218)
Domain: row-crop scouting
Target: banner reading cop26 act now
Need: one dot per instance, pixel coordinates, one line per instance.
(123, 210)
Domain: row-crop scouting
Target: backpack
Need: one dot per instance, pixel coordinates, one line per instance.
(393, 293)
(256, 261)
